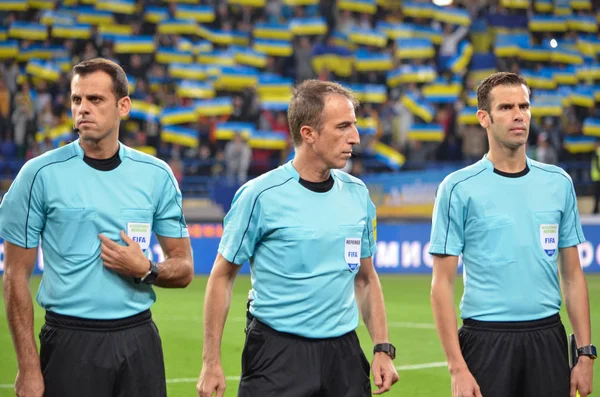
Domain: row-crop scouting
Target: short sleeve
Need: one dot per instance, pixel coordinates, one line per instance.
(570, 231)
(447, 229)
(369, 237)
(168, 218)
(241, 227)
(23, 208)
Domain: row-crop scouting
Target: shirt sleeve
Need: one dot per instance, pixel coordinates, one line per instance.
(570, 231)
(168, 218)
(369, 237)
(241, 227)
(447, 229)
(23, 208)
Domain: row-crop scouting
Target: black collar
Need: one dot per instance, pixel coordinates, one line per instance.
(318, 187)
(513, 174)
(108, 164)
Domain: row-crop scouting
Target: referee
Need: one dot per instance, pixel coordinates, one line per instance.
(94, 204)
(308, 231)
(511, 218)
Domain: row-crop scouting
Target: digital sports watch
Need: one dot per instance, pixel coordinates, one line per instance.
(386, 348)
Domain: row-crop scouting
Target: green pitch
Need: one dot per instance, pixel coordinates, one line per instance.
(178, 314)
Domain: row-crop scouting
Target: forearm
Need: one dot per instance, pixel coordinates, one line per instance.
(369, 297)
(444, 314)
(19, 311)
(216, 308)
(578, 308)
(175, 272)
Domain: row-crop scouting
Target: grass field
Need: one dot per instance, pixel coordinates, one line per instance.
(178, 314)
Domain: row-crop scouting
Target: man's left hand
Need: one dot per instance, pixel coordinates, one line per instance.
(581, 377)
(384, 372)
(128, 260)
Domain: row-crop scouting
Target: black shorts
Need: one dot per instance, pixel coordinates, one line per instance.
(277, 364)
(517, 359)
(102, 358)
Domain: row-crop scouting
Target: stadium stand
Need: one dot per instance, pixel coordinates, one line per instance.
(210, 80)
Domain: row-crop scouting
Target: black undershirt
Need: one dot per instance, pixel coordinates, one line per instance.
(108, 164)
(318, 187)
(513, 174)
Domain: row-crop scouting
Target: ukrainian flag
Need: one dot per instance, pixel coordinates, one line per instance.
(308, 26)
(180, 136)
(300, 2)
(426, 133)
(418, 10)
(566, 75)
(247, 56)
(58, 135)
(579, 144)
(423, 32)
(524, 4)
(463, 58)
(481, 37)
(268, 140)
(3, 34)
(562, 55)
(156, 82)
(388, 155)
(144, 111)
(13, 5)
(543, 5)
(562, 7)
(597, 93)
(472, 99)
(133, 45)
(119, 30)
(236, 78)
(541, 79)
(510, 44)
(217, 58)
(272, 31)
(583, 23)
(78, 31)
(411, 74)
(586, 47)
(370, 62)
(589, 71)
(419, 107)
(226, 131)
(178, 115)
(362, 6)
(366, 125)
(120, 6)
(581, 4)
(547, 104)
(583, 96)
(414, 49)
(468, 116)
(131, 84)
(9, 49)
(203, 46)
(591, 126)
(270, 85)
(26, 54)
(44, 70)
(214, 107)
(442, 92)
(199, 13)
(454, 16)
(187, 72)
(177, 26)
(368, 37)
(252, 3)
(41, 4)
(537, 53)
(94, 17)
(195, 89)
(28, 31)
(155, 14)
(274, 103)
(395, 30)
(240, 38)
(341, 40)
(168, 55)
(372, 93)
(277, 48)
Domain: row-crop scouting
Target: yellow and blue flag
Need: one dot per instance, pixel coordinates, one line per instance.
(520, 4)
(414, 49)
(582, 96)
(240, 38)
(453, 16)
(272, 31)
(179, 135)
(251, 3)
(134, 45)
(28, 31)
(372, 62)
(154, 14)
(41, 4)
(195, 89)
(369, 37)
(395, 30)
(583, 23)
(178, 115)
(112, 32)
(565, 76)
(249, 57)
(203, 46)
(468, 116)
(44, 70)
(308, 26)
(546, 103)
(144, 111)
(272, 85)
(78, 31)
(418, 10)
(3, 34)
(218, 58)
(235, 78)
(187, 71)
(219, 106)
(418, 106)
(411, 74)
(510, 44)
(579, 144)
(426, 133)
(424, 32)
(591, 126)
(543, 6)
(199, 13)
(226, 131)
(177, 26)
(300, 2)
(58, 135)
(268, 140)
(548, 23)
(535, 53)
(277, 48)
(169, 55)
(366, 125)
(442, 92)
(86, 14)
(581, 4)
(388, 155)
(542, 78)
(371, 93)
(461, 60)
(589, 71)
(362, 6)
(117, 6)
(13, 5)
(561, 55)
(9, 49)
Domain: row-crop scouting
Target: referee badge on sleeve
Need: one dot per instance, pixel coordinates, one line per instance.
(549, 238)
(352, 252)
(140, 233)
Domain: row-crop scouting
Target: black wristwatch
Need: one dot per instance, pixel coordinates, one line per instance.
(589, 350)
(150, 276)
(386, 348)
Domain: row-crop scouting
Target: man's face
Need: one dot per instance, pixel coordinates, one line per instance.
(96, 112)
(333, 144)
(509, 117)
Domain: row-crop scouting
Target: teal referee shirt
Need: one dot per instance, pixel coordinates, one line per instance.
(509, 228)
(66, 202)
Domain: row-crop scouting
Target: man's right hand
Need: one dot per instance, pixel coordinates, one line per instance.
(212, 380)
(464, 384)
(29, 384)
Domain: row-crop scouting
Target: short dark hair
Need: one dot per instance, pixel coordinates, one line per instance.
(116, 73)
(308, 102)
(494, 80)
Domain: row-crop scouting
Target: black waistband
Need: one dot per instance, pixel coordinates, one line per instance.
(61, 321)
(542, 323)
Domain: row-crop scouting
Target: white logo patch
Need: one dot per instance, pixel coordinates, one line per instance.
(549, 238)
(140, 233)
(352, 252)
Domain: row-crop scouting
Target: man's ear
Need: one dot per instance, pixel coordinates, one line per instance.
(484, 118)
(308, 134)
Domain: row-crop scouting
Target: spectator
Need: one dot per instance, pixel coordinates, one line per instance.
(237, 159)
(544, 152)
